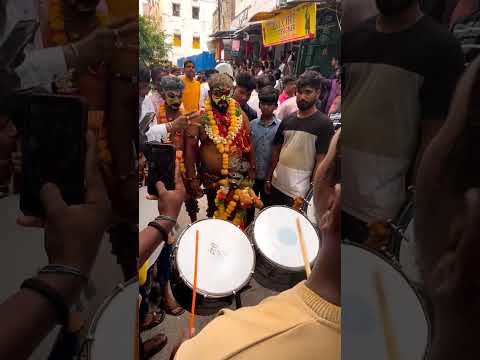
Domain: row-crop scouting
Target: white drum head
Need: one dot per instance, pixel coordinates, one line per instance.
(311, 213)
(275, 234)
(225, 257)
(362, 323)
(113, 331)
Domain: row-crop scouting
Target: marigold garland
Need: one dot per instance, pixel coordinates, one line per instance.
(232, 201)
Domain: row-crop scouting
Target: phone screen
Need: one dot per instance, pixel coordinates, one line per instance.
(19, 37)
(161, 166)
(53, 148)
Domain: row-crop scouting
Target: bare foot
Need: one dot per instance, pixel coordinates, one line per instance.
(169, 303)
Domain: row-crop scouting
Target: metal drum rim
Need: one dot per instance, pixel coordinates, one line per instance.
(397, 267)
(93, 326)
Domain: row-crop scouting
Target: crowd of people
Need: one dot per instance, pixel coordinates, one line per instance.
(229, 137)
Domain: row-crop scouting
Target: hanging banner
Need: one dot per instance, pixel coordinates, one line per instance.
(294, 24)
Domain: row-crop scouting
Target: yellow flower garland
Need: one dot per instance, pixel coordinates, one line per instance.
(223, 143)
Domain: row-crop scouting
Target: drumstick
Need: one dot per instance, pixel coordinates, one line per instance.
(194, 295)
(390, 342)
(308, 270)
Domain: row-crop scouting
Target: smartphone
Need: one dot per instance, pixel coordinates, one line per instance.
(22, 34)
(161, 166)
(53, 149)
(144, 126)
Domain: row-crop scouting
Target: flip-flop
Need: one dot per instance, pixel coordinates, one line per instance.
(154, 345)
(156, 320)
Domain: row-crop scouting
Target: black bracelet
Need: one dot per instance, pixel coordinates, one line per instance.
(160, 229)
(52, 295)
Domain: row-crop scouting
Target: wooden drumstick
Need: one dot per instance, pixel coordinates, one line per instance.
(194, 295)
(301, 240)
(390, 341)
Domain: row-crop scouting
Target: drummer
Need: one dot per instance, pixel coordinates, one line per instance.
(299, 146)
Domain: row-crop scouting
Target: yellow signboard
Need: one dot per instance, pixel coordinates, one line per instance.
(294, 24)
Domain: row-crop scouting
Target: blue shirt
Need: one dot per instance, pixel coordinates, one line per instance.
(263, 141)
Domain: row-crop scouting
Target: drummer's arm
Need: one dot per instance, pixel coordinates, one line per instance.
(149, 239)
(27, 317)
(273, 162)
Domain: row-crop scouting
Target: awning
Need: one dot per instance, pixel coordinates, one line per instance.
(223, 34)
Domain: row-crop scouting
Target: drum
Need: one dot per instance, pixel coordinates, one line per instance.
(119, 311)
(362, 325)
(309, 207)
(278, 254)
(226, 261)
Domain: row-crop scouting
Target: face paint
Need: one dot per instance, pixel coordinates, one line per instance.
(221, 95)
(174, 99)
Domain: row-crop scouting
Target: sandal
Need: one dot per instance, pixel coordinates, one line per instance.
(154, 345)
(155, 320)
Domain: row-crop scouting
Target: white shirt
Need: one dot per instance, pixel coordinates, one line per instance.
(254, 103)
(147, 107)
(41, 66)
(204, 89)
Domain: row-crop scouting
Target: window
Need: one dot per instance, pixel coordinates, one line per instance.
(195, 12)
(177, 40)
(196, 42)
(176, 9)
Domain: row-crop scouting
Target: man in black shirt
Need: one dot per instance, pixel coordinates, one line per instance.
(245, 84)
(300, 144)
(400, 70)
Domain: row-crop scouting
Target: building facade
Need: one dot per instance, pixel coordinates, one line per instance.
(188, 24)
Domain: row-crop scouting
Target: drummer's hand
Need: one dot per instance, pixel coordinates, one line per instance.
(73, 233)
(268, 187)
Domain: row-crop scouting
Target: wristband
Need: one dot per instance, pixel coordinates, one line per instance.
(160, 229)
(167, 218)
(62, 269)
(52, 295)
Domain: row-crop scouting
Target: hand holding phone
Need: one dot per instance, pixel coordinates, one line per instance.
(161, 166)
(53, 149)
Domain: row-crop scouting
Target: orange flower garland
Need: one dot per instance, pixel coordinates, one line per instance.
(231, 203)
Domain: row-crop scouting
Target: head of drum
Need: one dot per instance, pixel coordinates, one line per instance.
(275, 236)
(363, 310)
(225, 257)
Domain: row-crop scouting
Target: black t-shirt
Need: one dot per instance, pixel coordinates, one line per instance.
(251, 114)
(426, 49)
(317, 128)
(301, 140)
(393, 82)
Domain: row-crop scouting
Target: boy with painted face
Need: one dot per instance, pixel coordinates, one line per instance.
(225, 154)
